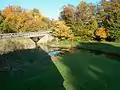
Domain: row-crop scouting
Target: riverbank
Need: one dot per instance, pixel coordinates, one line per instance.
(93, 66)
(106, 47)
(12, 44)
(86, 70)
(80, 70)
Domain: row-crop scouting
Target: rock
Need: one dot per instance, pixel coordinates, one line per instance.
(46, 38)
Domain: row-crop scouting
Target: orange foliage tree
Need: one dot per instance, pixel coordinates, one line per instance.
(21, 20)
(101, 33)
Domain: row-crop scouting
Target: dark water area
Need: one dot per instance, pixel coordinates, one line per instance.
(34, 69)
(29, 70)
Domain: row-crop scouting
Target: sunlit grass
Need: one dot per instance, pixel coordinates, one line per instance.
(86, 71)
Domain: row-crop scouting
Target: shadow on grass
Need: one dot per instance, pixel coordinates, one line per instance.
(109, 50)
(93, 71)
(29, 70)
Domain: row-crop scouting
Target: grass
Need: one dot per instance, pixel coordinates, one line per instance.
(86, 71)
(64, 44)
(106, 47)
(113, 48)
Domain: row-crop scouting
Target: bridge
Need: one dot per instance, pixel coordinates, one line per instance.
(25, 35)
(35, 36)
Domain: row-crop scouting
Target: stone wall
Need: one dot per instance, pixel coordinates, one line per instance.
(8, 45)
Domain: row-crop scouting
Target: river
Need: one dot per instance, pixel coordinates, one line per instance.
(74, 69)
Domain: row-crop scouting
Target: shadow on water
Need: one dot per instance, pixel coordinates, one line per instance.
(29, 70)
(93, 71)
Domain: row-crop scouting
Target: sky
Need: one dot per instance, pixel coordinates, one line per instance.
(49, 8)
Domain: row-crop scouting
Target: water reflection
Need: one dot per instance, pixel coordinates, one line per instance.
(50, 50)
(44, 47)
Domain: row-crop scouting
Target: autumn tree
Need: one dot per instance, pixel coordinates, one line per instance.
(61, 31)
(12, 15)
(46, 23)
(21, 20)
(3, 25)
(84, 12)
(7, 11)
(101, 34)
(80, 19)
(67, 14)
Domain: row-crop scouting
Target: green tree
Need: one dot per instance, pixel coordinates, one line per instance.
(1, 17)
(115, 1)
(4, 28)
(112, 20)
(81, 19)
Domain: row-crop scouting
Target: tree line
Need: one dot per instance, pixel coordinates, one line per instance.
(16, 19)
(85, 22)
(93, 22)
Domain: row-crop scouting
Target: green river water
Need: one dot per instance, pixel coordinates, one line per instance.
(81, 70)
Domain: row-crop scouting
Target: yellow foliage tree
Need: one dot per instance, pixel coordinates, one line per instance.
(62, 31)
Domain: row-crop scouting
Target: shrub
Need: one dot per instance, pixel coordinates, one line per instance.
(101, 34)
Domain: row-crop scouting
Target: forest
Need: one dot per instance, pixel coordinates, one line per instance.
(84, 22)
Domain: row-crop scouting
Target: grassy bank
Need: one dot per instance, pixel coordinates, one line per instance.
(64, 44)
(84, 70)
(107, 47)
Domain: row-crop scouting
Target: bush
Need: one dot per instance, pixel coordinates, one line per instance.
(114, 35)
(101, 34)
